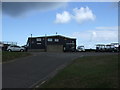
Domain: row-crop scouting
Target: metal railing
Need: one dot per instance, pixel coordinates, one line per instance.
(7, 42)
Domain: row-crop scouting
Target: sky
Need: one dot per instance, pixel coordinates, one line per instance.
(90, 23)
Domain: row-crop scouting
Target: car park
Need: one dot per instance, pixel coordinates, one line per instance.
(113, 47)
(15, 48)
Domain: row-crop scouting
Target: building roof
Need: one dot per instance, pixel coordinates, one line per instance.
(53, 36)
(100, 45)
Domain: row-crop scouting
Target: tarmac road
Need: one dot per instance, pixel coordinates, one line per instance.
(28, 71)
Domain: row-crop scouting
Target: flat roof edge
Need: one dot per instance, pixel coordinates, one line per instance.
(53, 36)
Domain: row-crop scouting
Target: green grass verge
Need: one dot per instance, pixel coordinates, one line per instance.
(87, 72)
(8, 56)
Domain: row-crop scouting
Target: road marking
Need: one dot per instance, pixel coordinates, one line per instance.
(40, 84)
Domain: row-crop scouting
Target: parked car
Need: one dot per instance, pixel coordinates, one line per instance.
(15, 48)
(80, 48)
(26, 48)
(100, 48)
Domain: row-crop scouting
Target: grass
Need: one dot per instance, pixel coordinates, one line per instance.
(87, 72)
(8, 56)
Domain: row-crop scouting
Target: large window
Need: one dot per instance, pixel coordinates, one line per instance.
(56, 40)
(38, 39)
(50, 39)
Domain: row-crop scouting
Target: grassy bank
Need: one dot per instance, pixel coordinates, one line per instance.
(8, 56)
(87, 72)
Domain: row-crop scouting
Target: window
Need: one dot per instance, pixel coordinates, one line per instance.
(50, 39)
(72, 41)
(56, 40)
(38, 39)
(38, 43)
(17, 46)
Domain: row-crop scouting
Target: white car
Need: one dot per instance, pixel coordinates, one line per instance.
(15, 48)
(80, 48)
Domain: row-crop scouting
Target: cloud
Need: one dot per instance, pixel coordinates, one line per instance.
(21, 8)
(107, 28)
(106, 36)
(64, 17)
(83, 14)
(80, 15)
(96, 36)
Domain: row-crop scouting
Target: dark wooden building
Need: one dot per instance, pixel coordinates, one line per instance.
(51, 43)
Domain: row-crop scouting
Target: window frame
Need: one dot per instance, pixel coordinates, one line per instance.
(38, 39)
(38, 43)
(49, 39)
(56, 40)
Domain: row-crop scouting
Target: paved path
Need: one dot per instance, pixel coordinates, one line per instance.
(25, 72)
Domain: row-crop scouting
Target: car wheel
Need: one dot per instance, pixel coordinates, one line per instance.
(22, 50)
(9, 50)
